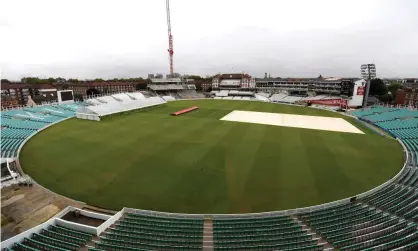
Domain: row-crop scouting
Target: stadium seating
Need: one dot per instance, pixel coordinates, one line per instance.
(286, 98)
(373, 110)
(269, 233)
(144, 232)
(190, 94)
(136, 95)
(399, 122)
(261, 98)
(113, 107)
(164, 87)
(93, 101)
(278, 97)
(168, 98)
(265, 94)
(380, 114)
(123, 97)
(222, 93)
(107, 99)
(368, 223)
(17, 125)
(54, 238)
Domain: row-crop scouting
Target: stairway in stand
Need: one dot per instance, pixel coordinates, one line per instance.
(208, 235)
(321, 241)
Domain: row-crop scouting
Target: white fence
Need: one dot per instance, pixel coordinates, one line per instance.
(87, 116)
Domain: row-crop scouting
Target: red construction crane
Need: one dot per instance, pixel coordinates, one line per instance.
(170, 39)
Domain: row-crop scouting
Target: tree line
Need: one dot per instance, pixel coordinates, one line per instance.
(36, 80)
(385, 93)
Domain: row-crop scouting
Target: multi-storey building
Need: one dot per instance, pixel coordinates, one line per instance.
(234, 81)
(86, 88)
(17, 94)
(203, 85)
(411, 83)
(407, 96)
(318, 85)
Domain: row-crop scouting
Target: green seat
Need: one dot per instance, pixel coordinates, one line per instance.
(55, 242)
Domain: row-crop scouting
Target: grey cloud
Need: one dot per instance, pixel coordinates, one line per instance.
(388, 38)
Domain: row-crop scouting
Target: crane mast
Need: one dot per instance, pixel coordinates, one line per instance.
(170, 39)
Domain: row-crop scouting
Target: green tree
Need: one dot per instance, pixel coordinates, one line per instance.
(60, 79)
(73, 80)
(36, 80)
(78, 97)
(393, 87)
(30, 80)
(140, 86)
(198, 86)
(195, 77)
(387, 98)
(5, 81)
(377, 87)
(51, 80)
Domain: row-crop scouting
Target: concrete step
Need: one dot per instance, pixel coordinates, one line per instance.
(315, 236)
(208, 235)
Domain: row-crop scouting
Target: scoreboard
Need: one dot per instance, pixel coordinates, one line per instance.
(347, 87)
(65, 97)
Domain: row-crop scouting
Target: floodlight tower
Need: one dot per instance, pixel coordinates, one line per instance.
(170, 39)
(368, 72)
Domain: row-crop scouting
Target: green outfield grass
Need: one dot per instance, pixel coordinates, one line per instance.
(195, 163)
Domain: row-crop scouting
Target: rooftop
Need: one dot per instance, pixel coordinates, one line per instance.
(26, 86)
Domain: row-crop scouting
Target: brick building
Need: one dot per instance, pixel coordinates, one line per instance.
(83, 88)
(17, 94)
(204, 85)
(233, 81)
(407, 96)
(411, 83)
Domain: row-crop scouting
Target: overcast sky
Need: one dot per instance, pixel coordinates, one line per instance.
(128, 38)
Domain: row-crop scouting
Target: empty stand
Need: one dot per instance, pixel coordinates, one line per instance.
(144, 232)
(262, 233)
(399, 122)
(118, 107)
(18, 125)
(54, 238)
(168, 98)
